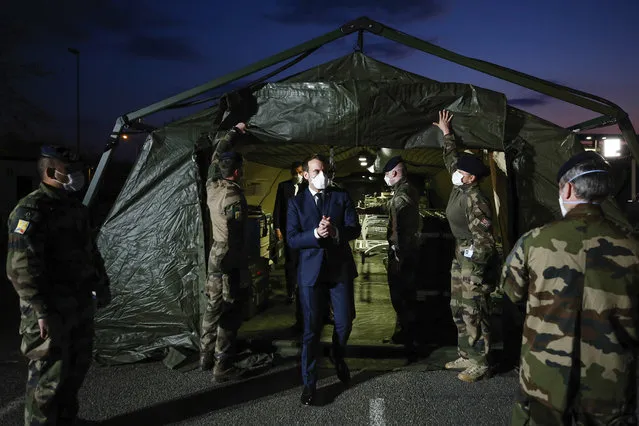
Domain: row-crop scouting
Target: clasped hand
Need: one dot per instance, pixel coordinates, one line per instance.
(325, 228)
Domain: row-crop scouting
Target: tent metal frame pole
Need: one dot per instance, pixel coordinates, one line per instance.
(564, 93)
(633, 180)
(105, 159)
(629, 135)
(122, 121)
(248, 70)
(582, 99)
(594, 123)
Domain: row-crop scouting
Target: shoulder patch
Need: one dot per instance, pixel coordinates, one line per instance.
(234, 210)
(22, 227)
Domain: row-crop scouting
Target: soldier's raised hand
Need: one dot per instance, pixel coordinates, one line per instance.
(444, 121)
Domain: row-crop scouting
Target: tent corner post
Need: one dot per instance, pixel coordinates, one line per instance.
(104, 162)
(629, 135)
(633, 180)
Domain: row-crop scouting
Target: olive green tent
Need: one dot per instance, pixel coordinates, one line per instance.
(153, 240)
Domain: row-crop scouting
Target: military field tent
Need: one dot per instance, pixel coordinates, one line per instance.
(153, 240)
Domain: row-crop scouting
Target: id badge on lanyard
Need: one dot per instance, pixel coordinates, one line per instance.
(468, 253)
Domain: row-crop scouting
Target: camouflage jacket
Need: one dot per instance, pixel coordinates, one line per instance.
(579, 277)
(223, 145)
(228, 211)
(404, 225)
(52, 261)
(468, 211)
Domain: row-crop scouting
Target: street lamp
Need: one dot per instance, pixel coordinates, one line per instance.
(76, 52)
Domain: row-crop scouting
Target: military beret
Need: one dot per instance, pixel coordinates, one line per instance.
(392, 163)
(233, 156)
(582, 157)
(473, 165)
(59, 153)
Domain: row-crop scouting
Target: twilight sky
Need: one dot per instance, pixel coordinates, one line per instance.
(137, 53)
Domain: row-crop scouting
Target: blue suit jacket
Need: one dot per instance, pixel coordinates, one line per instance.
(333, 258)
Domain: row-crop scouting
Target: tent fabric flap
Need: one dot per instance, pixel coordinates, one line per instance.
(381, 114)
(153, 247)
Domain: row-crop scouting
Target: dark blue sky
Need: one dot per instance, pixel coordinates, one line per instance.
(132, 56)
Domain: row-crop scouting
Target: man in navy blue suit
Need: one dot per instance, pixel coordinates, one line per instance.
(320, 223)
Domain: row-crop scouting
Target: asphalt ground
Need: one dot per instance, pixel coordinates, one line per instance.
(385, 390)
(382, 392)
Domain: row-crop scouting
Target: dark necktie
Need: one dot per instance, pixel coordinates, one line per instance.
(320, 202)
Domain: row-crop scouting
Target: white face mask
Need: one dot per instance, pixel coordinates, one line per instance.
(457, 178)
(320, 181)
(387, 180)
(299, 179)
(562, 207)
(74, 183)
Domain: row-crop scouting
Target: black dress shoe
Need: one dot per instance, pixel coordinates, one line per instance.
(343, 373)
(308, 395)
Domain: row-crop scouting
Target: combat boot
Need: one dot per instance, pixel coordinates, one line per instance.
(207, 361)
(474, 373)
(225, 370)
(459, 364)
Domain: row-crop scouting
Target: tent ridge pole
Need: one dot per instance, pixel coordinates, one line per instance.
(248, 70)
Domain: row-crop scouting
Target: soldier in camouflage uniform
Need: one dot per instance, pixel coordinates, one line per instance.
(469, 215)
(228, 275)
(56, 270)
(579, 279)
(403, 241)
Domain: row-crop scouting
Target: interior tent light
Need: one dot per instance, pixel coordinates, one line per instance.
(362, 157)
(612, 148)
(363, 163)
(603, 138)
(588, 138)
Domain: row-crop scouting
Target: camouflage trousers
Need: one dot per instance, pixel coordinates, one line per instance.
(470, 305)
(223, 315)
(58, 364)
(530, 412)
